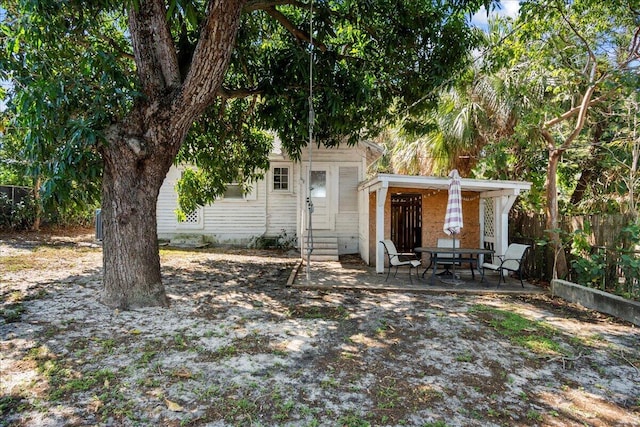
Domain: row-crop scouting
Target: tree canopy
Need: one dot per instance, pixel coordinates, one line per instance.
(129, 89)
(73, 69)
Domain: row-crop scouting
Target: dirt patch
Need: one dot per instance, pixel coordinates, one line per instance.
(238, 347)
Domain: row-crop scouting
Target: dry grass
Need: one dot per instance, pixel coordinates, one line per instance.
(237, 347)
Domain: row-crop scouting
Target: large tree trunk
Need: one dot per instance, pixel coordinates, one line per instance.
(142, 146)
(130, 187)
(131, 260)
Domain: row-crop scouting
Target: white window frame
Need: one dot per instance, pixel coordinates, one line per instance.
(252, 195)
(289, 179)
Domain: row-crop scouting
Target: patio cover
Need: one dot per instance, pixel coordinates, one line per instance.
(502, 193)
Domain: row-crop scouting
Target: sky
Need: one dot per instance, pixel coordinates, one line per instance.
(506, 8)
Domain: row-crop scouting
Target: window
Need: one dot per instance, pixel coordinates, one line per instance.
(319, 184)
(281, 179)
(233, 191)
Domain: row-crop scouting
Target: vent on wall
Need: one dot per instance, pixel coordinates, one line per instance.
(192, 217)
(192, 221)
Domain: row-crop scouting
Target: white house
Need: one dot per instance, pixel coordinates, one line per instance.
(352, 213)
(278, 205)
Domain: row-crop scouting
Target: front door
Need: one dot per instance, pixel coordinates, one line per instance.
(321, 190)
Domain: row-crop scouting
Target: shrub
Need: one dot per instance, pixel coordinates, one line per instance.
(629, 262)
(16, 216)
(590, 264)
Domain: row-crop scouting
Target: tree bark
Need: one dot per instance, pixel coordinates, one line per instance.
(134, 169)
(142, 146)
(591, 168)
(553, 225)
(130, 257)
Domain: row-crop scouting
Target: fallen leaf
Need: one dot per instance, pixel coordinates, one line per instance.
(182, 373)
(95, 405)
(173, 406)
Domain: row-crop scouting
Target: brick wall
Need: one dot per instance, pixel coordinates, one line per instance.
(434, 204)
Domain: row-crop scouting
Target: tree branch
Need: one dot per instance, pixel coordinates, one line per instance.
(572, 112)
(116, 48)
(297, 33)
(238, 93)
(263, 5)
(592, 56)
(546, 135)
(634, 49)
(153, 47)
(211, 57)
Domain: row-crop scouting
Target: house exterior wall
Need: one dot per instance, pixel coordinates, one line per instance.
(225, 221)
(372, 228)
(434, 203)
(281, 206)
(167, 204)
(346, 167)
(347, 216)
(364, 226)
(270, 212)
(236, 220)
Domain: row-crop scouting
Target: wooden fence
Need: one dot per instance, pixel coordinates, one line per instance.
(605, 237)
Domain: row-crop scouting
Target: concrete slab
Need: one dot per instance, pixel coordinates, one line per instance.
(354, 274)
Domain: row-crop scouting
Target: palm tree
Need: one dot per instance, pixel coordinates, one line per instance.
(478, 110)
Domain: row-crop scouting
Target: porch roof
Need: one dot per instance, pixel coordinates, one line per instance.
(487, 188)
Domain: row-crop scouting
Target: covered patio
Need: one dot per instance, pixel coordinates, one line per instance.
(410, 210)
(352, 273)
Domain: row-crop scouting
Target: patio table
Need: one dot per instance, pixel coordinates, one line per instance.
(457, 256)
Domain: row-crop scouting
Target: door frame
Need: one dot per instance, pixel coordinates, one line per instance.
(406, 220)
(329, 224)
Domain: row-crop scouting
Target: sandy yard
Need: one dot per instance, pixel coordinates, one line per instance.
(239, 347)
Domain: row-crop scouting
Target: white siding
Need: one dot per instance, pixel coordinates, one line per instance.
(167, 205)
(268, 212)
(363, 204)
(227, 221)
(282, 207)
(347, 216)
(346, 174)
(334, 155)
(348, 189)
(236, 220)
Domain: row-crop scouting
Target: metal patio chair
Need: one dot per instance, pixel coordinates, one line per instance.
(399, 259)
(510, 261)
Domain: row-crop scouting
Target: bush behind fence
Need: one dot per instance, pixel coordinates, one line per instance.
(613, 262)
(16, 207)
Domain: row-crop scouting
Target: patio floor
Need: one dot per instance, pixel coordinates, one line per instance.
(352, 273)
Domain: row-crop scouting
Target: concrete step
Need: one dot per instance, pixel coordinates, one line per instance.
(322, 258)
(324, 249)
(323, 245)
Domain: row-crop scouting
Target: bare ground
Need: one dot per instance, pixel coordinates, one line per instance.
(238, 347)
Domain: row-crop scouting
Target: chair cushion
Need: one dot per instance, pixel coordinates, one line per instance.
(490, 266)
(415, 263)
